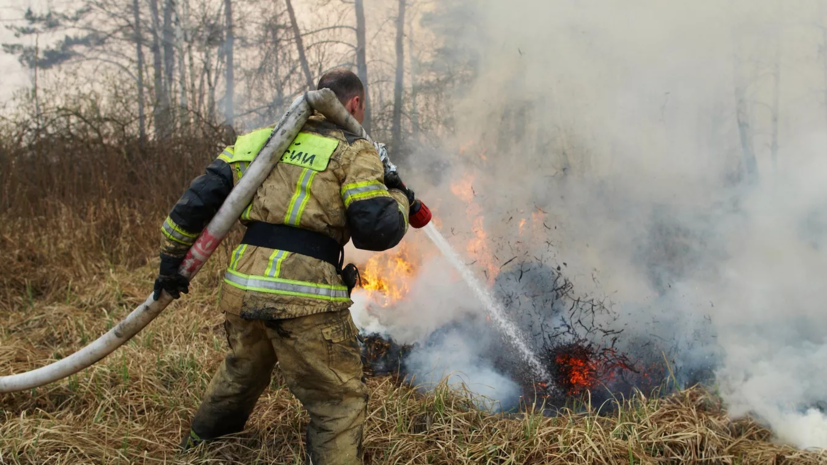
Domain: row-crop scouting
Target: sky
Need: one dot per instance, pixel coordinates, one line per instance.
(14, 77)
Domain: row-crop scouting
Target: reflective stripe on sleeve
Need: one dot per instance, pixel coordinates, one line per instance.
(175, 233)
(227, 155)
(286, 287)
(362, 190)
(241, 168)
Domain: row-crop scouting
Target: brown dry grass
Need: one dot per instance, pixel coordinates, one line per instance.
(133, 406)
(78, 238)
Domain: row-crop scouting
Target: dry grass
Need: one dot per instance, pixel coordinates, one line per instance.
(78, 240)
(133, 406)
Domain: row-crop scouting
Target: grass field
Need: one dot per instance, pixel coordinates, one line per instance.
(69, 283)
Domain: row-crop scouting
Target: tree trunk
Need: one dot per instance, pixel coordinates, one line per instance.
(414, 70)
(229, 109)
(399, 81)
(308, 76)
(180, 40)
(278, 102)
(196, 97)
(776, 84)
(169, 60)
(208, 73)
(823, 49)
(750, 166)
(140, 75)
(161, 107)
(361, 59)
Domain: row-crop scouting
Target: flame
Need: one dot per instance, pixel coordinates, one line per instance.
(538, 217)
(580, 373)
(464, 189)
(477, 246)
(386, 277)
(522, 225)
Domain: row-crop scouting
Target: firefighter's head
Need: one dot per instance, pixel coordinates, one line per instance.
(348, 88)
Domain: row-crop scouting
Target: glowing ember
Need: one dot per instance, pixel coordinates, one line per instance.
(386, 276)
(576, 372)
(580, 366)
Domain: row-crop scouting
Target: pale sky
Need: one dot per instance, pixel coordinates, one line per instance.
(13, 75)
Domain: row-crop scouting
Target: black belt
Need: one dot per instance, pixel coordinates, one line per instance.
(295, 240)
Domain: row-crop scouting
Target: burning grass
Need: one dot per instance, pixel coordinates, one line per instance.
(134, 405)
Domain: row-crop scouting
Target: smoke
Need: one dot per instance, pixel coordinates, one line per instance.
(634, 126)
(453, 356)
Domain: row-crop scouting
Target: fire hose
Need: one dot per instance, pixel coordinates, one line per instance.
(325, 102)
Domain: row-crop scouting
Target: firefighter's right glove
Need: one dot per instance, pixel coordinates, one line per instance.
(169, 279)
(393, 181)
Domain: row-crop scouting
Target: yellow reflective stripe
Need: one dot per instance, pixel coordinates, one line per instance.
(175, 233)
(278, 264)
(364, 196)
(295, 196)
(306, 198)
(286, 287)
(246, 214)
(299, 196)
(357, 185)
(274, 265)
(241, 168)
(227, 155)
(237, 254)
(361, 191)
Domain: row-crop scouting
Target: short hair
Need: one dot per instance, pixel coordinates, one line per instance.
(344, 83)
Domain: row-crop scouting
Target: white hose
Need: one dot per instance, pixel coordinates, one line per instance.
(281, 138)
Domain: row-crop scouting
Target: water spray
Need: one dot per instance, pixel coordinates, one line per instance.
(492, 306)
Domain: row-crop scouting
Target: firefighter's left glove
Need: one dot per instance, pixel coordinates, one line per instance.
(169, 279)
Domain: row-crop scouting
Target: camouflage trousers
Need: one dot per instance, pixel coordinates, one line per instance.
(320, 360)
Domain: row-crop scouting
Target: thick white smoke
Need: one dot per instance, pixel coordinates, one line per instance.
(619, 121)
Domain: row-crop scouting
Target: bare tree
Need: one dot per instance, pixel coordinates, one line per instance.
(823, 48)
(161, 107)
(169, 57)
(361, 58)
(776, 83)
(139, 53)
(750, 166)
(229, 109)
(399, 81)
(414, 69)
(180, 39)
(299, 44)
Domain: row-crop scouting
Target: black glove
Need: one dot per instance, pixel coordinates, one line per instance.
(169, 279)
(393, 181)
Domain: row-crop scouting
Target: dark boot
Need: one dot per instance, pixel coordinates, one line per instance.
(190, 441)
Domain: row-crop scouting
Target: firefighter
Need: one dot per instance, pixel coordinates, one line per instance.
(284, 296)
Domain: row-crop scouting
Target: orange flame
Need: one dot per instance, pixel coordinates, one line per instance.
(580, 373)
(477, 246)
(464, 189)
(386, 277)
